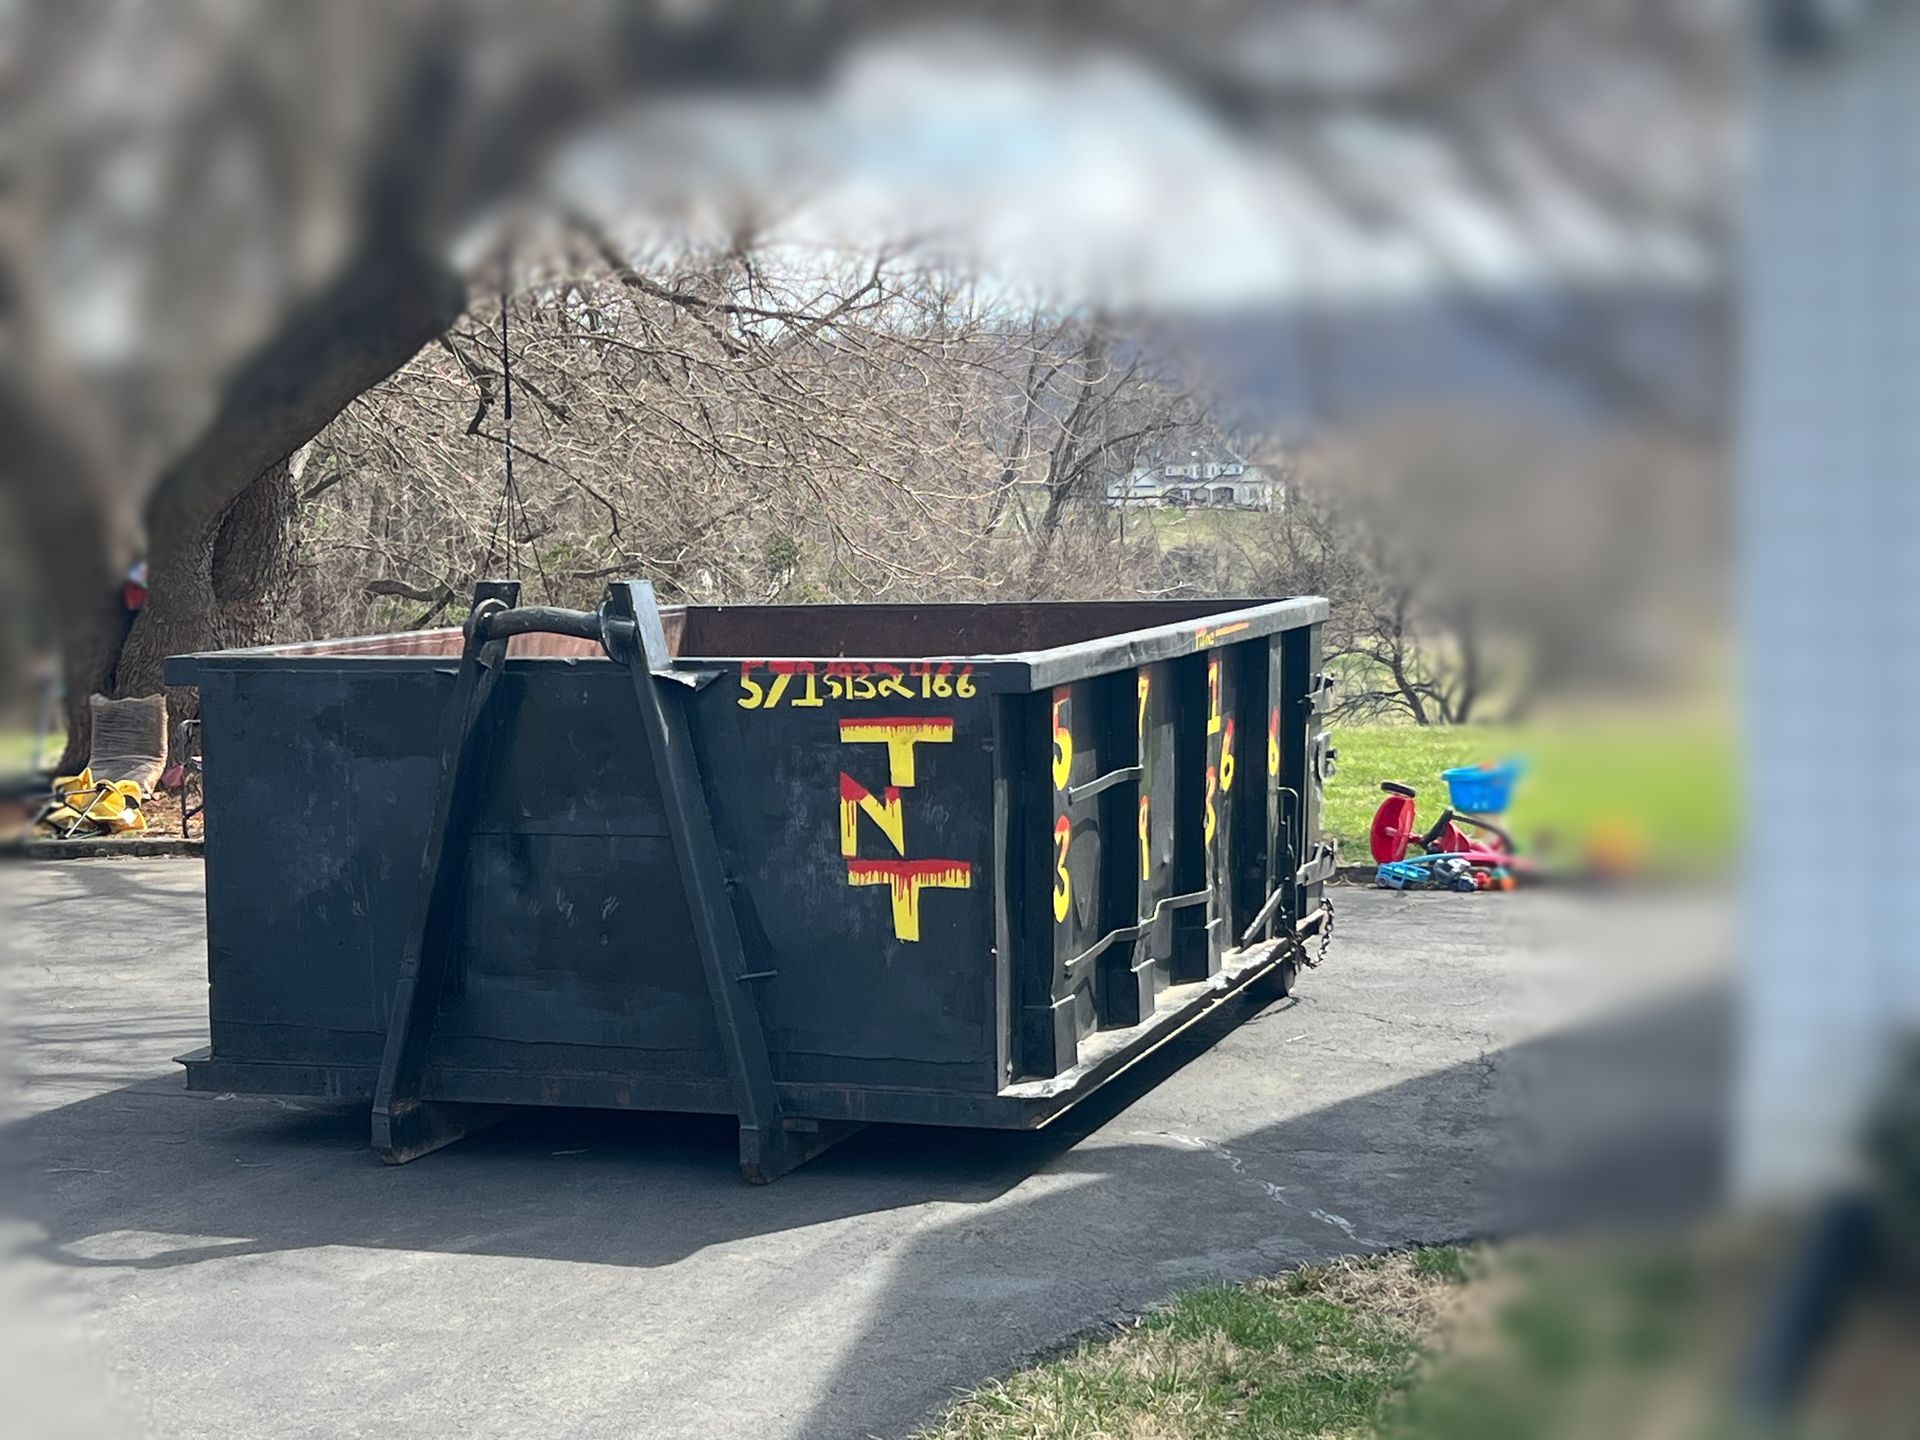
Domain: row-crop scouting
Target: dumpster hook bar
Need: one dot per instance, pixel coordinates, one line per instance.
(500, 624)
(617, 635)
(771, 1142)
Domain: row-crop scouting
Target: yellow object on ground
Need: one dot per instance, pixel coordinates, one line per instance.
(84, 806)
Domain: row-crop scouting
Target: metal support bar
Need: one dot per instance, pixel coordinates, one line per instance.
(1265, 913)
(770, 1143)
(1127, 934)
(1303, 927)
(1086, 791)
(405, 1126)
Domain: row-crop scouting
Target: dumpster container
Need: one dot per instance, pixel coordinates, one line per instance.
(814, 866)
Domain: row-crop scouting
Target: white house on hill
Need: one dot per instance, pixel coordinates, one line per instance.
(1230, 484)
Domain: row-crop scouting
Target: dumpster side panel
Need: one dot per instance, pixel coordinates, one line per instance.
(1286, 764)
(1118, 907)
(855, 810)
(1156, 822)
(319, 787)
(1089, 731)
(1079, 751)
(1218, 797)
(577, 949)
(1188, 908)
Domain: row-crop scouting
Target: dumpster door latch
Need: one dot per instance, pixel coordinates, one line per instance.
(1320, 694)
(1321, 867)
(1326, 757)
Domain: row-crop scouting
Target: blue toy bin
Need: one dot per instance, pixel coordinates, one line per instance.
(1482, 790)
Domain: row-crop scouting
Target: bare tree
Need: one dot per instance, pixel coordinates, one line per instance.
(280, 189)
(737, 423)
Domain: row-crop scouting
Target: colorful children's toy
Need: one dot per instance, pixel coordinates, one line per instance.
(1439, 872)
(1472, 840)
(1483, 789)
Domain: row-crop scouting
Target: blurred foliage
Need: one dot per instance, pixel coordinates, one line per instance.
(1893, 1144)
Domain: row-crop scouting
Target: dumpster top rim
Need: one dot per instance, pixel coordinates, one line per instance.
(1238, 619)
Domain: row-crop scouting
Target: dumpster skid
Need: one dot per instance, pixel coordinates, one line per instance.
(812, 866)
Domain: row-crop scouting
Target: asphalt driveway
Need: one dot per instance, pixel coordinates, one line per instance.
(191, 1265)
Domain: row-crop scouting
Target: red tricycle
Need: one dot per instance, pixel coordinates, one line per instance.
(1396, 829)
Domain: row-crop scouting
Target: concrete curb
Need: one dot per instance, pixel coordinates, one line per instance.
(135, 847)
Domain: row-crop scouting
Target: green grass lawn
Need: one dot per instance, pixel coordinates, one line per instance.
(1663, 786)
(1325, 1350)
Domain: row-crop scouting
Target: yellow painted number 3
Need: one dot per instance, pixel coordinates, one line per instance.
(1062, 882)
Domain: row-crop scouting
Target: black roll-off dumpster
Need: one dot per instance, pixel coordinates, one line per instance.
(814, 866)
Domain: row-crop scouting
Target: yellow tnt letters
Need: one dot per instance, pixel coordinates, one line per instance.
(886, 813)
(899, 736)
(904, 878)
(907, 879)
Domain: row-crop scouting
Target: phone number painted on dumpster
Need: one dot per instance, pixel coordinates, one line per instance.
(802, 684)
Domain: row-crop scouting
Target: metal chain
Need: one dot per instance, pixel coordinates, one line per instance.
(1313, 962)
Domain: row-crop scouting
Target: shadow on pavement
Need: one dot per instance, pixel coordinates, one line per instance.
(604, 1187)
(1611, 1122)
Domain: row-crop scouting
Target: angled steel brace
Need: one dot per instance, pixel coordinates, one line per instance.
(771, 1143)
(404, 1125)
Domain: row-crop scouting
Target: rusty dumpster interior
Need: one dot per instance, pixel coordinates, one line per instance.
(826, 631)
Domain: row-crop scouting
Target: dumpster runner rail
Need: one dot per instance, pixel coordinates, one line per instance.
(1067, 873)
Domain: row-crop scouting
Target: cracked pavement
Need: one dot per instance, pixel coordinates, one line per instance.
(217, 1265)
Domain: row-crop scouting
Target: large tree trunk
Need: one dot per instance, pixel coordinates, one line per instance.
(219, 592)
(219, 524)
